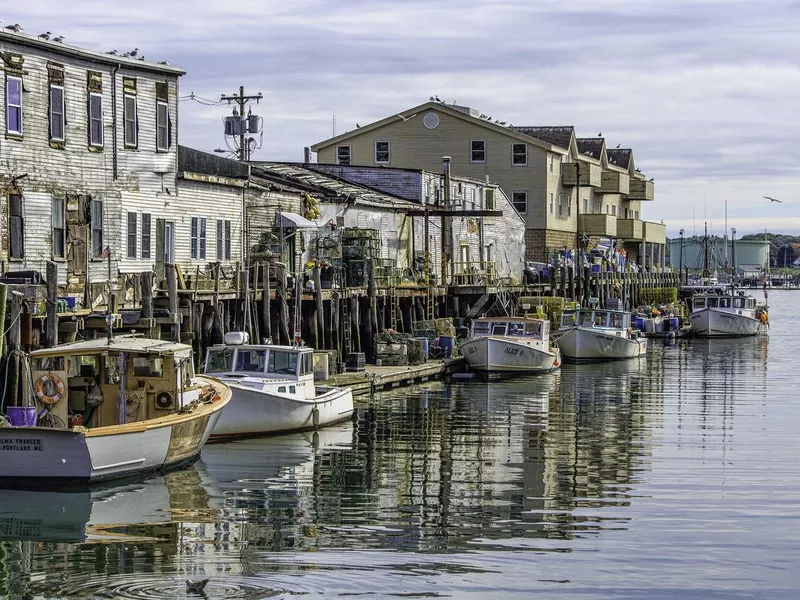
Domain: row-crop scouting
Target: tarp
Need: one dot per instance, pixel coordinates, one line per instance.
(289, 220)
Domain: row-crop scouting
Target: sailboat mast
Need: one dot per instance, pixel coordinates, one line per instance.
(705, 249)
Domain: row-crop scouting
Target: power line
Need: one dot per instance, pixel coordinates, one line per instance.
(239, 125)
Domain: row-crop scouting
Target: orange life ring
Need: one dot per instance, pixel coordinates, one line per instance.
(49, 399)
(556, 362)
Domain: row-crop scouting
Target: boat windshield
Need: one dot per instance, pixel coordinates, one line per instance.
(220, 361)
(283, 362)
(251, 360)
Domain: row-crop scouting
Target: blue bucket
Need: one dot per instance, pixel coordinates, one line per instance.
(638, 323)
(675, 323)
(21, 416)
(446, 342)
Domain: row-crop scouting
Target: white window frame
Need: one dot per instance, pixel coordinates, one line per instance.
(162, 113)
(126, 120)
(198, 238)
(62, 212)
(339, 150)
(147, 234)
(92, 142)
(552, 204)
(51, 113)
(388, 152)
(515, 154)
(472, 151)
(131, 237)
(514, 201)
(223, 239)
(10, 106)
(552, 162)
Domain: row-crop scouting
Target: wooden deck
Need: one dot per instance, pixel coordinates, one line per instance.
(376, 379)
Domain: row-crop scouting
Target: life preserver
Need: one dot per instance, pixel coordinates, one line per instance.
(764, 318)
(49, 399)
(556, 362)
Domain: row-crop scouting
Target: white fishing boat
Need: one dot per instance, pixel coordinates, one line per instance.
(593, 334)
(510, 344)
(273, 389)
(106, 409)
(725, 312)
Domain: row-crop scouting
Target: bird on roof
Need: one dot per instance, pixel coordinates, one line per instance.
(59, 39)
(651, 179)
(196, 587)
(431, 98)
(133, 53)
(141, 57)
(358, 126)
(618, 145)
(112, 52)
(771, 199)
(437, 98)
(45, 36)
(600, 134)
(163, 62)
(16, 27)
(638, 170)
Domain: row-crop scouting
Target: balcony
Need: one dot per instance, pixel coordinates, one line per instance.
(591, 174)
(613, 182)
(641, 189)
(655, 233)
(630, 229)
(600, 225)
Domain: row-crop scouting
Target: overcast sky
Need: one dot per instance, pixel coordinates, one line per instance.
(705, 92)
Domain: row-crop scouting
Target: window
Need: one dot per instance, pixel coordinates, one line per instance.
(96, 120)
(97, 229)
(223, 240)
(148, 366)
(381, 152)
(251, 360)
(552, 203)
(569, 205)
(169, 241)
(343, 155)
(519, 154)
(131, 122)
(477, 152)
(57, 113)
(14, 105)
(132, 218)
(586, 206)
(16, 225)
(199, 237)
(284, 363)
(552, 162)
(560, 204)
(489, 199)
(162, 126)
(146, 220)
(636, 214)
(614, 209)
(520, 201)
(58, 218)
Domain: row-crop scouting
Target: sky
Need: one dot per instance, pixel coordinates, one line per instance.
(705, 92)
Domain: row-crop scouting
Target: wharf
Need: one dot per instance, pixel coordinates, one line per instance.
(376, 379)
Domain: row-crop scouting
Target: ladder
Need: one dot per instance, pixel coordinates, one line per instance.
(347, 333)
(430, 301)
(394, 301)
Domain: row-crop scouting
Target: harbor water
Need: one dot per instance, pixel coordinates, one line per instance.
(673, 476)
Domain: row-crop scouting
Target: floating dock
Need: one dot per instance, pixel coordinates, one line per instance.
(376, 379)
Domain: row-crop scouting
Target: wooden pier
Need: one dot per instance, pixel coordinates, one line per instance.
(375, 379)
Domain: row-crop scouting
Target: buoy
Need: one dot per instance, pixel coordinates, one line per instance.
(315, 416)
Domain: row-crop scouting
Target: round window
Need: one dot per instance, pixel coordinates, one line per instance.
(431, 120)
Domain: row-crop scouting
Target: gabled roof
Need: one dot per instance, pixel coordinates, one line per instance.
(620, 157)
(591, 147)
(459, 112)
(560, 136)
(328, 187)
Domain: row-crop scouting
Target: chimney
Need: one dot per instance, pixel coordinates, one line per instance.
(446, 172)
(306, 155)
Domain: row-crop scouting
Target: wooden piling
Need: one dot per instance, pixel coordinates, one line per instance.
(14, 343)
(319, 321)
(283, 306)
(51, 326)
(172, 294)
(3, 301)
(266, 302)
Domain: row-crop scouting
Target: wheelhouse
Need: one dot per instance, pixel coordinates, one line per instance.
(605, 319)
(726, 302)
(520, 328)
(278, 361)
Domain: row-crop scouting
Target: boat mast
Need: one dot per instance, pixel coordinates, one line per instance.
(705, 251)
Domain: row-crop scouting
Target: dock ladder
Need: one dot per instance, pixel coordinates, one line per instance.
(347, 333)
(394, 307)
(430, 303)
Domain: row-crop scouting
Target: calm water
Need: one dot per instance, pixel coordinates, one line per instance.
(670, 477)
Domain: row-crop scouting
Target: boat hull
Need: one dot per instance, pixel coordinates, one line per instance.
(44, 456)
(590, 344)
(254, 412)
(708, 322)
(488, 354)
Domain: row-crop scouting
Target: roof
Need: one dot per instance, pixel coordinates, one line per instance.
(328, 187)
(460, 112)
(592, 147)
(620, 157)
(558, 136)
(9, 36)
(122, 343)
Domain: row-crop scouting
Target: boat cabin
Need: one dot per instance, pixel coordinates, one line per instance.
(100, 383)
(260, 361)
(511, 327)
(726, 302)
(599, 318)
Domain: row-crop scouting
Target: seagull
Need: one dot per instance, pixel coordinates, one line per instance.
(126, 54)
(358, 126)
(163, 62)
(618, 145)
(773, 199)
(16, 27)
(45, 36)
(437, 98)
(112, 52)
(196, 587)
(600, 134)
(141, 58)
(431, 98)
(58, 39)
(133, 53)
(651, 179)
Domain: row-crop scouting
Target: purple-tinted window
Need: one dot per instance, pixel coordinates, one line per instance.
(14, 105)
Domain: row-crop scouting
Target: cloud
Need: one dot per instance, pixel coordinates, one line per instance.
(704, 92)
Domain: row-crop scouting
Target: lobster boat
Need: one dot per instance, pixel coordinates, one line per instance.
(510, 344)
(593, 334)
(106, 409)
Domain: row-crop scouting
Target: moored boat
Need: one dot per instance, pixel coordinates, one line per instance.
(593, 334)
(510, 344)
(139, 404)
(273, 389)
(725, 312)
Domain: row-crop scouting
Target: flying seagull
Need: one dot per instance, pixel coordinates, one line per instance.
(773, 199)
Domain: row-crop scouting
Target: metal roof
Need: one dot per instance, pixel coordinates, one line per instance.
(122, 343)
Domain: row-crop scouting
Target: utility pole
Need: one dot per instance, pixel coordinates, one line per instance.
(242, 125)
